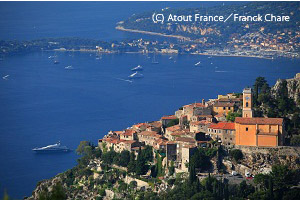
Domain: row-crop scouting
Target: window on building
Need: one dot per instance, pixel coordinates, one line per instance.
(228, 108)
(246, 128)
(247, 104)
(224, 108)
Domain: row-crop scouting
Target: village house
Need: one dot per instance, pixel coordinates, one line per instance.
(223, 108)
(117, 144)
(165, 120)
(171, 130)
(196, 118)
(256, 131)
(155, 126)
(199, 126)
(140, 127)
(128, 134)
(223, 132)
(196, 109)
(181, 133)
(149, 137)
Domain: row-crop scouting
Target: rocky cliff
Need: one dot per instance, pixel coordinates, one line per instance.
(293, 86)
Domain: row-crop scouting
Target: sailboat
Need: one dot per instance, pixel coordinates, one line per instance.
(198, 63)
(154, 61)
(138, 68)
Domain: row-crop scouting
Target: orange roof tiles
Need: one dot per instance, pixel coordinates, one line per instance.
(173, 128)
(223, 125)
(169, 117)
(259, 120)
(150, 133)
(129, 132)
(195, 105)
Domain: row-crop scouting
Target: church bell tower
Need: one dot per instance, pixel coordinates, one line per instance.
(247, 103)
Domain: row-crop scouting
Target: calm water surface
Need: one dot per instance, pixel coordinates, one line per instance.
(42, 103)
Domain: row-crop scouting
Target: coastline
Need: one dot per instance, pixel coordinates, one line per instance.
(121, 28)
(203, 54)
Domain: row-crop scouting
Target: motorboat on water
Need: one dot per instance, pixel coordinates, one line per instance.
(135, 75)
(52, 148)
(138, 68)
(5, 77)
(69, 67)
(198, 63)
(56, 62)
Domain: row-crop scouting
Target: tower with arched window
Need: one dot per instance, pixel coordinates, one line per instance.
(247, 103)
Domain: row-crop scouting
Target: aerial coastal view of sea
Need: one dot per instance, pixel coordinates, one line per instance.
(87, 94)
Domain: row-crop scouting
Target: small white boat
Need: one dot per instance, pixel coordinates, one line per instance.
(170, 58)
(198, 63)
(135, 75)
(56, 62)
(69, 67)
(5, 77)
(138, 68)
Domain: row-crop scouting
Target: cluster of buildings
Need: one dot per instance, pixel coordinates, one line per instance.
(197, 125)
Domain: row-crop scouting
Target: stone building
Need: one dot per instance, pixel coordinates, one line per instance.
(223, 132)
(223, 107)
(199, 126)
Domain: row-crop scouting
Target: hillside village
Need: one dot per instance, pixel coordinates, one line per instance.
(176, 137)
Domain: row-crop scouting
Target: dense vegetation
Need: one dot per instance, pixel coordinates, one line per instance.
(277, 104)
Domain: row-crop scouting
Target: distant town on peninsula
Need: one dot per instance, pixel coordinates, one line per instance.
(251, 39)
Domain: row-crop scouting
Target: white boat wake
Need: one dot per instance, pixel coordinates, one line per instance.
(221, 71)
(130, 81)
(5, 77)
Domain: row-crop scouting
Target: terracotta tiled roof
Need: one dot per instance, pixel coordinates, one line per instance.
(223, 104)
(129, 132)
(141, 124)
(259, 120)
(173, 128)
(156, 124)
(223, 125)
(169, 117)
(195, 105)
(150, 133)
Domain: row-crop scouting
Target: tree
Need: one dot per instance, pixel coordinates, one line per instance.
(83, 148)
(259, 82)
(173, 122)
(124, 158)
(232, 115)
(147, 153)
(131, 164)
(192, 175)
(140, 167)
(171, 168)
(236, 154)
(295, 140)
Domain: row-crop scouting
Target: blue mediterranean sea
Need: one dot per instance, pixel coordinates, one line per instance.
(42, 103)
